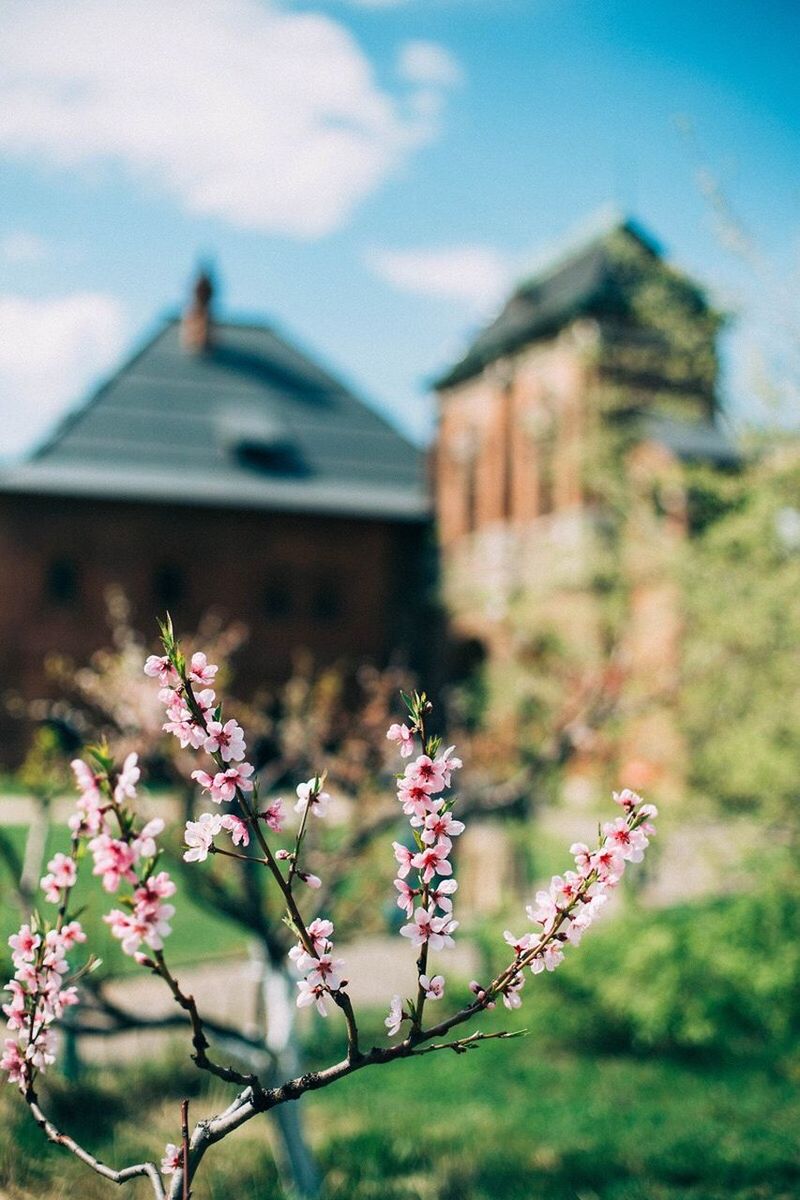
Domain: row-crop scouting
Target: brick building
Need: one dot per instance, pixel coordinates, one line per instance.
(563, 435)
(220, 468)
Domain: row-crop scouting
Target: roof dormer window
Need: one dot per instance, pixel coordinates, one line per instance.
(261, 442)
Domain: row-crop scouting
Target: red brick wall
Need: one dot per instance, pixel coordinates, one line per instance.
(508, 428)
(350, 586)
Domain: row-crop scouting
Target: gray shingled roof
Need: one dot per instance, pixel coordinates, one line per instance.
(251, 423)
(582, 283)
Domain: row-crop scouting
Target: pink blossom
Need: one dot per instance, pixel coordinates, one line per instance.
(85, 779)
(426, 773)
(223, 785)
(182, 724)
(519, 945)
(172, 1160)
(627, 799)
(549, 959)
(55, 951)
(72, 933)
(404, 737)
(113, 859)
(273, 816)
(405, 900)
(433, 987)
(13, 1062)
(511, 996)
(416, 799)
(543, 911)
(24, 944)
(127, 780)
(396, 1016)
(127, 927)
(309, 796)
(201, 670)
(144, 844)
(441, 824)
(89, 817)
(227, 740)
(312, 994)
(156, 888)
(199, 836)
(42, 1052)
(440, 895)
(148, 922)
(404, 857)
(433, 860)
(240, 834)
(312, 881)
(447, 764)
(206, 782)
(583, 858)
(326, 970)
(63, 873)
(66, 998)
(159, 667)
(428, 928)
(564, 890)
(608, 863)
(630, 844)
(320, 931)
(15, 1011)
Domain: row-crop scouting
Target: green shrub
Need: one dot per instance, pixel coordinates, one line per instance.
(721, 977)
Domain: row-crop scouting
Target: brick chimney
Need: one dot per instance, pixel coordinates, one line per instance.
(197, 320)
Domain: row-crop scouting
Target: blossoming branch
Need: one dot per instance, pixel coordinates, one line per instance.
(125, 853)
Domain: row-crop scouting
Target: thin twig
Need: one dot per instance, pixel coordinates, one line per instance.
(62, 1139)
(185, 1146)
(199, 1039)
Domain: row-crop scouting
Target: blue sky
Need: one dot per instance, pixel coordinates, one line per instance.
(372, 174)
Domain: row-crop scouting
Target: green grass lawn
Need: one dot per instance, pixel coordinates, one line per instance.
(516, 1120)
(197, 933)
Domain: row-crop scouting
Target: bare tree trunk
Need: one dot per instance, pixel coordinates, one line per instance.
(296, 1165)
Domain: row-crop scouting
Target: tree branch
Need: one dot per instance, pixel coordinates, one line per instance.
(199, 1039)
(125, 1021)
(62, 1139)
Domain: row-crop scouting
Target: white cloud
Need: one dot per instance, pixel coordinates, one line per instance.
(429, 64)
(49, 352)
(473, 275)
(22, 247)
(245, 111)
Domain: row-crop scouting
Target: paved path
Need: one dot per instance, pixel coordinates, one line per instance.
(377, 968)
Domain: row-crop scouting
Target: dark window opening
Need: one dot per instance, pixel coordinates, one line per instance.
(277, 599)
(61, 583)
(507, 499)
(471, 496)
(546, 472)
(327, 601)
(169, 586)
(272, 458)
